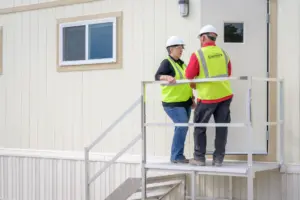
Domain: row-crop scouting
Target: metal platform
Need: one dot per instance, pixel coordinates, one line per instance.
(229, 168)
(245, 169)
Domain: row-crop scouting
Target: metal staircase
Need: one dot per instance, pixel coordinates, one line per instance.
(158, 187)
(156, 190)
(145, 188)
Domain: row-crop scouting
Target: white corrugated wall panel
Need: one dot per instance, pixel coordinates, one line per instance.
(54, 179)
(291, 186)
(29, 178)
(267, 186)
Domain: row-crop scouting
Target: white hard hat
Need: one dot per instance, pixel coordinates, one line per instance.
(208, 29)
(174, 40)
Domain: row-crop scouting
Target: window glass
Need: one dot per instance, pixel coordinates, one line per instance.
(74, 43)
(234, 32)
(101, 41)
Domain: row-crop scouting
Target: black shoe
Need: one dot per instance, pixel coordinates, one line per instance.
(217, 162)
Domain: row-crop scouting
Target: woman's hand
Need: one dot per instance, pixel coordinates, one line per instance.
(168, 78)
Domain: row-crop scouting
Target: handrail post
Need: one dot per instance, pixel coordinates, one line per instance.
(250, 139)
(87, 172)
(280, 119)
(249, 120)
(144, 147)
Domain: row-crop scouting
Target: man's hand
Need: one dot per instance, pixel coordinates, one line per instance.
(194, 105)
(193, 85)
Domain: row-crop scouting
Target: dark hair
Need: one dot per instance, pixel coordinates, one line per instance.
(168, 48)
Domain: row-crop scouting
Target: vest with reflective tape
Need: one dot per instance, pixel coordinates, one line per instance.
(176, 93)
(213, 63)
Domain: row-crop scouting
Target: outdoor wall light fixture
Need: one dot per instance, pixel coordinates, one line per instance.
(184, 7)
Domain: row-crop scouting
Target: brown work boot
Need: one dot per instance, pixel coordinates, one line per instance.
(181, 161)
(197, 162)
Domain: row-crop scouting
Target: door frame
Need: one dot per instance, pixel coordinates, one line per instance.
(271, 90)
(271, 154)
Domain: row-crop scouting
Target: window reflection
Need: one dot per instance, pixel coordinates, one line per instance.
(234, 32)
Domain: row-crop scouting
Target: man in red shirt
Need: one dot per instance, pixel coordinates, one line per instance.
(215, 97)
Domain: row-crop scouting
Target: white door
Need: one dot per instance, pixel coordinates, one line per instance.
(242, 27)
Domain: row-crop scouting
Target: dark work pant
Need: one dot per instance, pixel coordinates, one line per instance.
(203, 113)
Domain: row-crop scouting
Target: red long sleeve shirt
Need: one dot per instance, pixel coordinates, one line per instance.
(193, 70)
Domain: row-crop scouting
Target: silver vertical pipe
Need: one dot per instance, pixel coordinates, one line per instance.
(249, 120)
(278, 118)
(230, 188)
(193, 185)
(250, 140)
(87, 173)
(185, 187)
(144, 147)
(281, 120)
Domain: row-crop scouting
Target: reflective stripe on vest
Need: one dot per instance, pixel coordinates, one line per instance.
(213, 63)
(204, 65)
(176, 93)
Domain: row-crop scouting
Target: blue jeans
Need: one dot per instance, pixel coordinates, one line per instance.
(178, 115)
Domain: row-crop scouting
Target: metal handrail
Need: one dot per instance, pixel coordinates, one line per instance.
(205, 80)
(88, 181)
(107, 165)
(141, 100)
(196, 124)
(96, 141)
(279, 122)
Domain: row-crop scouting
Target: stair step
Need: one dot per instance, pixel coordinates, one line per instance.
(162, 184)
(150, 194)
(126, 189)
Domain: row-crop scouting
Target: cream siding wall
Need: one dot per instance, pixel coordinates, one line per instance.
(45, 109)
(289, 65)
(46, 118)
(15, 3)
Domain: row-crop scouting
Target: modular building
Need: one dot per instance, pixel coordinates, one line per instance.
(71, 68)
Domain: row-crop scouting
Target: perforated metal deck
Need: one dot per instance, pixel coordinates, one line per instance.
(229, 168)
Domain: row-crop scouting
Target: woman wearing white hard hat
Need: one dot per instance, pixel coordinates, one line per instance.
(177, 100)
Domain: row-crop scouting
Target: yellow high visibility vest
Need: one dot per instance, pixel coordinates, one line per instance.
(213, 63)
(176, 93)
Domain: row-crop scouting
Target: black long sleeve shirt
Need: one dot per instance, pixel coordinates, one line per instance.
(166, 68)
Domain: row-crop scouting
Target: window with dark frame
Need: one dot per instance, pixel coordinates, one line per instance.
(233, 32)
